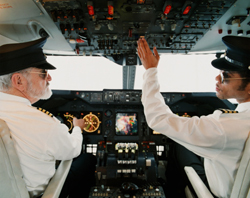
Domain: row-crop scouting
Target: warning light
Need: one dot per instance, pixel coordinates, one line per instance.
(109, 18)
(167, 9)
(187, 9)
(77, 50)
(79, 40)
(140, 1)
(111, 10)
(90, 8)
(130, 32)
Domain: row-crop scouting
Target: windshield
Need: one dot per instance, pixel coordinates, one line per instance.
(177, 73)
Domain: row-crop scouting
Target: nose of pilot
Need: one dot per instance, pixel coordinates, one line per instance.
(218, 78)
(49, 78)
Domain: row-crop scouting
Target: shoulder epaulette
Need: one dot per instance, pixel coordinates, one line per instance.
(45, 111)
(228, 111)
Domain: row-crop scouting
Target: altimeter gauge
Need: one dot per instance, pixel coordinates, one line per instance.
(92, 122)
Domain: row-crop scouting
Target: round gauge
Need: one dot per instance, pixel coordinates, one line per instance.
(69, 119)
(107, 132)
(108, 123)
(108, 113)
(92, 122)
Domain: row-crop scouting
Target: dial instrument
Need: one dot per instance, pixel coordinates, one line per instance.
(92, 122)
(69, 119)
(108, 113)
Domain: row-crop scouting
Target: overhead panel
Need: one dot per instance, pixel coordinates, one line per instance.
(110, 28)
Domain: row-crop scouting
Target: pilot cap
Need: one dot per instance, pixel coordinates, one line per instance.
(237, 56)
(16, 57)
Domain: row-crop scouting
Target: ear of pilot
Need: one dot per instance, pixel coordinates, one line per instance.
(212, 145)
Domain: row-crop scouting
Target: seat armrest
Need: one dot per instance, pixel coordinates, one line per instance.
(54, 187)
(198, 185)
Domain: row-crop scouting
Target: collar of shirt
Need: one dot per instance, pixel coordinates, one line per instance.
(9, 97)
(243, 106)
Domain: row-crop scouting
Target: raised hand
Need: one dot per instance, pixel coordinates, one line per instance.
(148, 58)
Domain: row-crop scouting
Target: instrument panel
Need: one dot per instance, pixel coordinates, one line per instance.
(92, 120)
(117, 115)
(129, 154)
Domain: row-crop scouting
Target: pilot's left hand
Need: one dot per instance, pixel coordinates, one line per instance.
(148, 58)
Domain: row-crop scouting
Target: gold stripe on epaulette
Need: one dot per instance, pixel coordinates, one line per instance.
(44, 111)
(228, 111)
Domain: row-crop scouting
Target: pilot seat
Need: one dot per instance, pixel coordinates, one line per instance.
(12, 184)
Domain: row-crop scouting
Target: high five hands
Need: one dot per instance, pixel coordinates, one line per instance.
(148, 58)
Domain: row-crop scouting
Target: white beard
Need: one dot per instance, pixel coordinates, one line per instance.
(47, 94)
(39, 95)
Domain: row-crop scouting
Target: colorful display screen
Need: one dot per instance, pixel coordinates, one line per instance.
(126, 124)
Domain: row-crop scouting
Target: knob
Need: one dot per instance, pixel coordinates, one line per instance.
(240, 32)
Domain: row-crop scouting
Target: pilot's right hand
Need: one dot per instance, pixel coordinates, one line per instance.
(79, 122)
(148, 58)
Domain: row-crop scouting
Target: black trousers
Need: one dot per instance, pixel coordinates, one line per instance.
(81, 177)
(177, 180)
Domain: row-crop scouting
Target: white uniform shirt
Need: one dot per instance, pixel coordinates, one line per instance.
(39, 140)
(218, 137)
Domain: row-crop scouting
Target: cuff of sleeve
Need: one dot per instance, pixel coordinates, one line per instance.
(150, 74)
(76, 129)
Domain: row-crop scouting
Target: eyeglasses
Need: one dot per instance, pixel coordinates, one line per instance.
(223, 79)
(44, 75)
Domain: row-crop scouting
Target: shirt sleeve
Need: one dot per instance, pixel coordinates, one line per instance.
(62, 145)
(201, 135)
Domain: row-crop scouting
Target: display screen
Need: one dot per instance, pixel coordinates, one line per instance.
(126, 124)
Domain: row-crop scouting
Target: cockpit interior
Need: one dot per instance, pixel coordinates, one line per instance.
(131, 157)
(127, 150)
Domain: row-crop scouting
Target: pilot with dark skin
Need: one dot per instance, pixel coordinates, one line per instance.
(39, 138)
(218, 138)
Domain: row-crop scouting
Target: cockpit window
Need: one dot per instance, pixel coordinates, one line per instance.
(177, 73)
